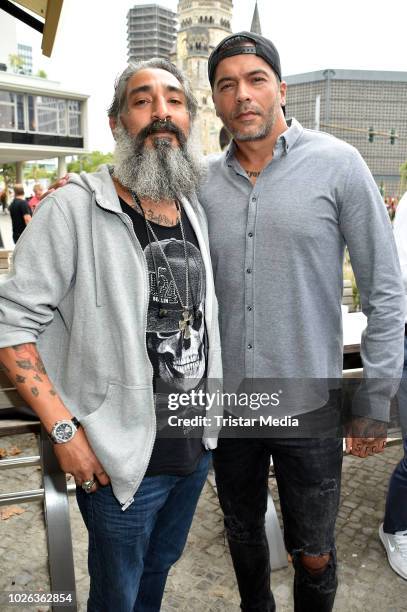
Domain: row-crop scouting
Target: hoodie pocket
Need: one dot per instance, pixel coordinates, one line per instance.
(121, 432)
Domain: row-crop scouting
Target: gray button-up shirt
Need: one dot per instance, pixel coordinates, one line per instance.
(277, 252)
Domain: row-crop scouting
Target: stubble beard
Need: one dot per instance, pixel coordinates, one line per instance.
(258, 133)
(160, 172)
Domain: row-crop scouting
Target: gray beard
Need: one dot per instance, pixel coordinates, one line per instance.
(162, 172)
(261, 133)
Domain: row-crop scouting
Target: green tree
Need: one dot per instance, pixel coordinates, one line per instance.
(36, 172)
(42, 74)
(90, 162)
(16, 62)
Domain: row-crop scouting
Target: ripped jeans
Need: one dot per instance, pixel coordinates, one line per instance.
(308, 474)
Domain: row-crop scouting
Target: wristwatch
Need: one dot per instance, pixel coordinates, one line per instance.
(63, 431)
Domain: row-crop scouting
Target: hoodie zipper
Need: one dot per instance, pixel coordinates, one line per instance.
(129, 225)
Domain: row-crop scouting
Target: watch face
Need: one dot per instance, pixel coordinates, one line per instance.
(64, 431)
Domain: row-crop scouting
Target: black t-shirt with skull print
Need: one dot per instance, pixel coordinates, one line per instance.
(179, 362)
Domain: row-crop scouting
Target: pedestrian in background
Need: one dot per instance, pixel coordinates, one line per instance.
(35, 200)
(393, 531)
(20, 212)
(3, 201)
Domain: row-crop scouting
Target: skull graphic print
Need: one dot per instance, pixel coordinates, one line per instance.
(178, 356)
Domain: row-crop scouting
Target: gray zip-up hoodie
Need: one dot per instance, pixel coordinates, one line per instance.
(79, 289)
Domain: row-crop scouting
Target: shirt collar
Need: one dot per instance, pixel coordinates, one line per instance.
(291, 135)
(287, 139)
(230, 151)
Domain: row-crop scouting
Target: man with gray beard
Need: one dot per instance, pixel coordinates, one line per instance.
(161, 172)
(116, 312)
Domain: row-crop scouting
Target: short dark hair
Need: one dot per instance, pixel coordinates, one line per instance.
(119, 102)
(239, 41)
(244, 43)
(18, 189)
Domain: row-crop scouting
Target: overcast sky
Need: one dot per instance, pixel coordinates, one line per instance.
(91, 46)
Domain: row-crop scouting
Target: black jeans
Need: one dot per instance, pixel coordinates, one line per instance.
(308, 474)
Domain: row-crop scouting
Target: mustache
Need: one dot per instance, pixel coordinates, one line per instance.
(155, 127)
(245, 108)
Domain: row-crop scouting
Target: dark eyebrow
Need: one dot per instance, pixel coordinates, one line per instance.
(148, 88)
(175, 89)
(248, 74)
(258, 71)
(224, 79)
(141, 89)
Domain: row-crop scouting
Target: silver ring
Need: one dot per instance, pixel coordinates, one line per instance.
(87, 485)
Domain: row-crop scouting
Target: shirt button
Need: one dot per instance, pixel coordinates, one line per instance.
(249, 346)
(249, 308)
(254, 199)
(250, 234)
(249, 270)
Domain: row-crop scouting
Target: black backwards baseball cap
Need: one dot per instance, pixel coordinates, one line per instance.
(260, 46)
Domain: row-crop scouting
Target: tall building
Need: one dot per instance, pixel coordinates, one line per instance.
(203, 24)
(25, 53)
(151, 32)
(366, 108)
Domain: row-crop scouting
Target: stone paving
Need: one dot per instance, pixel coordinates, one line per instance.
(203, 580)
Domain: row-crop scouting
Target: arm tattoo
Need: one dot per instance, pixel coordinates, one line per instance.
(28, 358)
(25, 364)
(40, 366)
(19, 348)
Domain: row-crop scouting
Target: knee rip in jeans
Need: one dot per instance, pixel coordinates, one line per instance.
(316, 570)
(315, 565)
(247, 533)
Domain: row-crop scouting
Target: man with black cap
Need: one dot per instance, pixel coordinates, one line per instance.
(282, 202)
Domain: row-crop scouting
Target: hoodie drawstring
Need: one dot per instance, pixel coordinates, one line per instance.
(96, 259)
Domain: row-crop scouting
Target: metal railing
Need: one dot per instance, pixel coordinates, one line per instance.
(54, 494)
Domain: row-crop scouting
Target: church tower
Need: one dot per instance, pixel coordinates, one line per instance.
(256, 26)
(203, 24)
